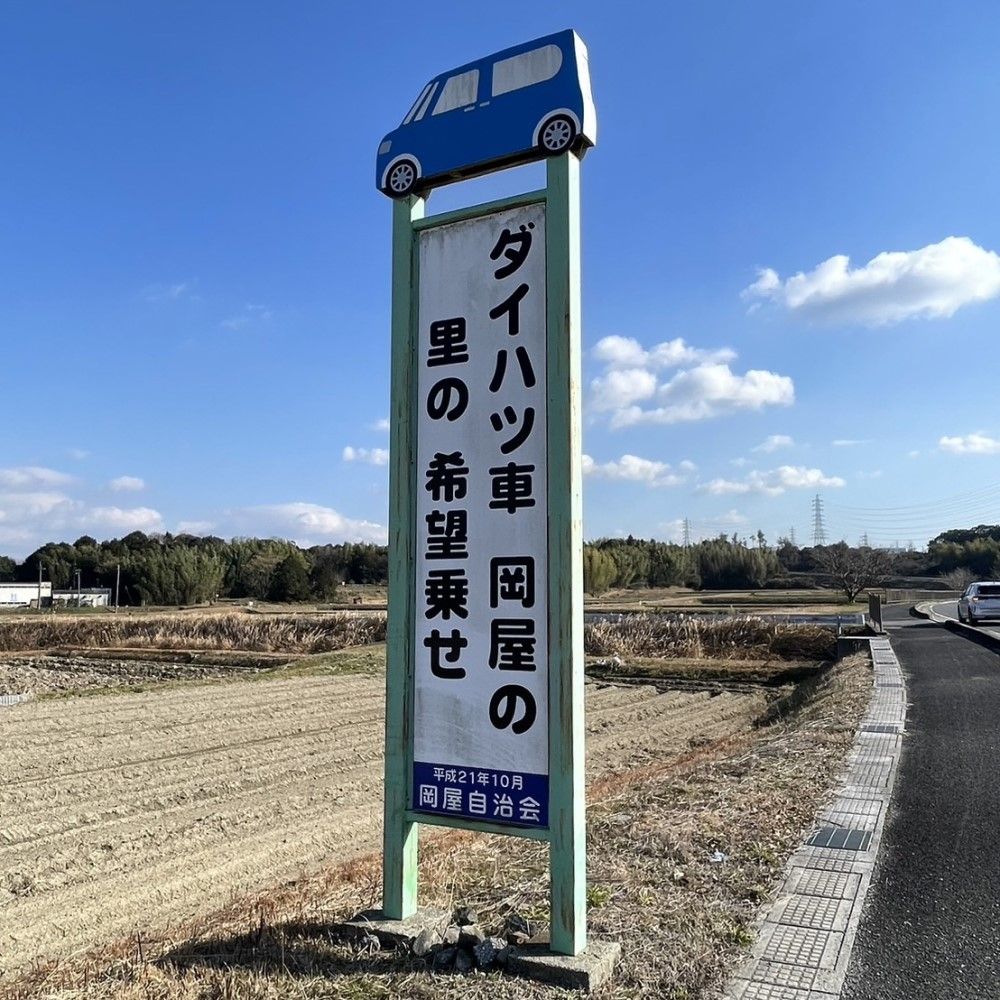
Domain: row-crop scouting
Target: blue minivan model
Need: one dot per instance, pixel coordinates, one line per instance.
(521, 104)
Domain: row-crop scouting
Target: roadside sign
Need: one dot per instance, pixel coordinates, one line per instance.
(484, 679)
(481, 715)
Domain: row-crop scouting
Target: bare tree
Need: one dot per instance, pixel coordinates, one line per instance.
(959, 578)
(855, 570)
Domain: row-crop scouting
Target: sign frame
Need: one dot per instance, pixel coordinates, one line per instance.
(566, 832)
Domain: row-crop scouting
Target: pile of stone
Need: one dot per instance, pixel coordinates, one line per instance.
(464, 945)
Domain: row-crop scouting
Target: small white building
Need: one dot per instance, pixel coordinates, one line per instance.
(24, 594)
(88, 597)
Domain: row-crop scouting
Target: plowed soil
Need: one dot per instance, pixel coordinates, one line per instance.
(128, 813)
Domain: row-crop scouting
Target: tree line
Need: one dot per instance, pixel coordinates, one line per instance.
(188, 569)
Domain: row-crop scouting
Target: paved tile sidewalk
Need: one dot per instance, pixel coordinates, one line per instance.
(805, 938)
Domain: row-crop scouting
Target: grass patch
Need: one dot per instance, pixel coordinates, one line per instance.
(746, 638)
(686, 668)
(681, 855)
(234, 630)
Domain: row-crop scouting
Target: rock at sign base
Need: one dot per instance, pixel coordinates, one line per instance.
(463, 961)
(445, 958)
(492, 950)
(425, 942)
(451, 935)
(517, 930)
(463, 916)
(471, 935)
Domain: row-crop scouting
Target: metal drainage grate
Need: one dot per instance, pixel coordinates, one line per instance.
(890, 684)
(888, 727)
(840, 838)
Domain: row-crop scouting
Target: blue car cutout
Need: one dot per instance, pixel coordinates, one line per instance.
(521, 104)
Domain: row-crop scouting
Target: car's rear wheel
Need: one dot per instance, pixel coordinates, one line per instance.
(557, 135)
(970, 620)
(401, 179)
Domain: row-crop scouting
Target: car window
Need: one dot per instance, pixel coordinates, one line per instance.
(526, 69)
(416, 104)
(989, 591)
(458, 92)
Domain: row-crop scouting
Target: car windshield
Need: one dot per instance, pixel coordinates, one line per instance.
(419, 108)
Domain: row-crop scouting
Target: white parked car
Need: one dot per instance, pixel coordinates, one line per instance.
(979, 602)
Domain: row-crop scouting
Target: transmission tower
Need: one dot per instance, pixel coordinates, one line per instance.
(687, 533)
(791, 536)
(819, 528)
(864, 541)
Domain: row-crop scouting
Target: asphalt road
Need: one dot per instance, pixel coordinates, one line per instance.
(931, 923)
(950, 610)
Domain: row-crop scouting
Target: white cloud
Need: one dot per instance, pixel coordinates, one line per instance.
(127, 484)
(122, 519)
(381, 425)
(19, 507)
(740, 462)
(632, 468)
(932, 282)
(874, 474)
(620, 388)
(774, 482)
(687, 466)
(627, 352)
(710, 390)
(914, 454)
(169, 292)
(732, 517)
(195, 527)
(26, 477)
(774, 442)
(370, 456)
(976, 443)
(78, 454)
(630, 389)
(305, 523)
(250, 313)
(850, 442)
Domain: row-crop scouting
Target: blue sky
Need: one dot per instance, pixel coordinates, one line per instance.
(194, 263)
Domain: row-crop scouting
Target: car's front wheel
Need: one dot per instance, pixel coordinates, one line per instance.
(557, 135)
(401, 179)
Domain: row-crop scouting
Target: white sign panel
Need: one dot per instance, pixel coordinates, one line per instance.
(481, 715)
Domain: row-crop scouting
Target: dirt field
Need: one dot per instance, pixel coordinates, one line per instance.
(132, 812)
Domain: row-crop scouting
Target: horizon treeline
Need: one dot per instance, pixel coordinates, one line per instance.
(190, 569)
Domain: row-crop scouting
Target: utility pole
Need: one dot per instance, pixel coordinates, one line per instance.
(118, 580)
(819, 528)
(39, 586)
(79, 590)
(687, 533)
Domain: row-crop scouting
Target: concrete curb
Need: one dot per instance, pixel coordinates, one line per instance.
(806, 936)
(982, 638)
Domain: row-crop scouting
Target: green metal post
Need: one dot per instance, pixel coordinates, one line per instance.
(567, 809)
(399, 860)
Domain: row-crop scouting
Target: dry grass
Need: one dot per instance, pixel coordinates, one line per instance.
(681, 918)
(698, 638)
(257, 633)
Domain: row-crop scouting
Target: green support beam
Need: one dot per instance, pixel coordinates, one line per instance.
(399, 859)
(567, 789)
